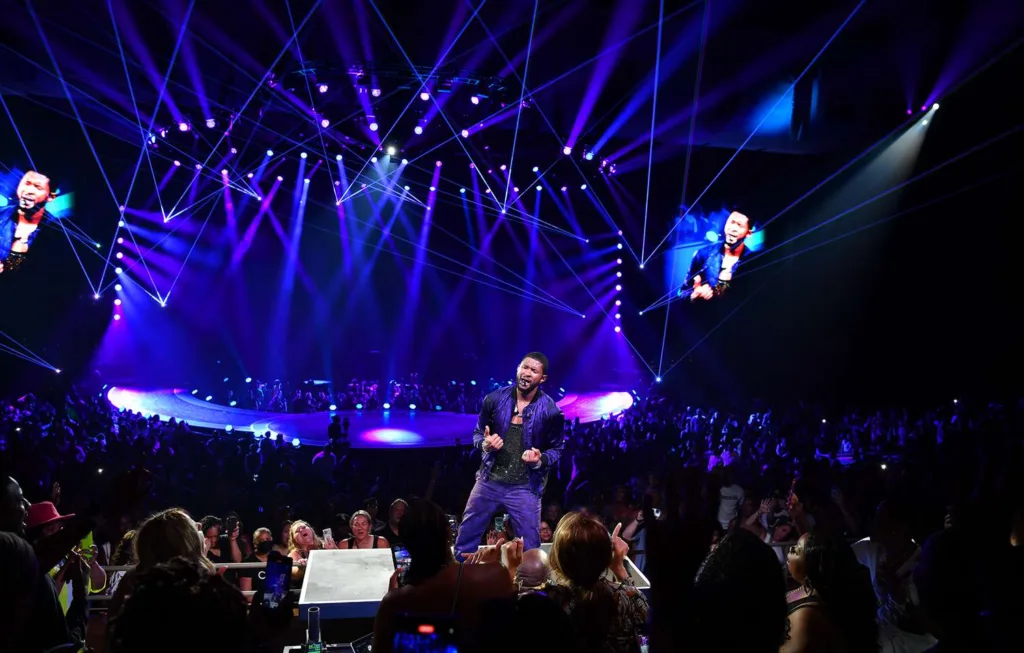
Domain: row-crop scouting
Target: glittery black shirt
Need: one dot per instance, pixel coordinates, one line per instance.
(509, 467)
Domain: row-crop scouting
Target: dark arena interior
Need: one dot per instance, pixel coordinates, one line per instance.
(594, 325)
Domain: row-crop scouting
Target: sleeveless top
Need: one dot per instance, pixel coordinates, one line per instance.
(352, 542)
(803, 601)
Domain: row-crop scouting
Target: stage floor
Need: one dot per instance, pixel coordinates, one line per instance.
(368, 429)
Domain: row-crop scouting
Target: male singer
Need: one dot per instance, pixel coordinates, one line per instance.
(519, 432)
(713, 266)
(19, 223)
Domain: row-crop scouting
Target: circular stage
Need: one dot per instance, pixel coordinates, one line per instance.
(374, 429)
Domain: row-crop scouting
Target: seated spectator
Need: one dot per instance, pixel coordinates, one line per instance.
(124, 554)
(533, 572)
(434, 582)
(390, 531)
(834, 607)
(362, 538)
(738, 601)
(547, 534)
(607, 615)
(213, 530)
(283, 544)
(179, 606)
(301, 540)
(254, 580)
(162, 537)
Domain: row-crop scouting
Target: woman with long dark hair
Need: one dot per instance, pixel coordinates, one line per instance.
(834, 607)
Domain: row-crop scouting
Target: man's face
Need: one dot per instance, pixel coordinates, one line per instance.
(530, 374)
(737, 227)
(397, 511)
(13, 508)
(33, 191)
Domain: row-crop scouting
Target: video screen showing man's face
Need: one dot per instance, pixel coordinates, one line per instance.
(714, 265)
(21, 220)
(737, 227)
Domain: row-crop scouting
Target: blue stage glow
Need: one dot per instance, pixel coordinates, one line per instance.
(209, 397)
(472, 383)
(296, 443)
(232, 403)
(333, 407)
(711, 236)
(386, 406)
(248, 379)
(412, 406)
(229, 428)
(437, 408)
(359, 406)
(780, 118)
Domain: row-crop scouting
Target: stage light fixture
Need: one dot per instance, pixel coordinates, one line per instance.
(564, 189)
(540, 188)
(412, 406)
(224, 171)
(57, 370)
(359, 406)
(210, 123)
(296, 443)
(373, 126)
(183, 126)
(432, 189)
(405, 187)
(373, 159)
(322, 88)
(583, 187)
(234, 150)
(924, 122)
(589, 156)
(391, 150)
(386, 406)
(250, 175)
(417, 130)
(657, 379)
(567, 150)
(618, 288)
(405, 162)
(325, 123)
(117, 317)
(248, 379)
(337, 157)
(177, 164)
(618, 246)
(536, 169)
(117, 302)
(487, 191)
(270, 152)
(618, 316)
(618, 261)
(465, 133)
(163, 133)
(620, 232)
(152, 139)
(306, 180)
(120, 223)
(117, 286)
(333, 407)
(280, 178)
(935, 107)
(618, 274)
(118, 271)
(199, 166)
(96, 296)
(618, 302)
(641, 266)
(424, 96)
(119, 255)
(462, 190)
(618, 329)
(303, 155)
(437, 163)
(120, 241)
(375, 92)
(474, 99)
(502, 167)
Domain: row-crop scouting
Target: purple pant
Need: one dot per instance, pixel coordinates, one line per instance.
(522, 504)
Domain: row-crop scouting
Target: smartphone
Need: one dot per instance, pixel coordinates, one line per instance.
(327, 533)
(499, 523)
(657, 513)
(229, 525)
(279, 576)
(425, 634)
(402, 560)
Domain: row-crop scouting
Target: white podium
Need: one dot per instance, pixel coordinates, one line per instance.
(346, 584)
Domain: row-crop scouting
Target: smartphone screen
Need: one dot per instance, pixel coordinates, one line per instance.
(402, 560)
(425, 634)
(279, 575)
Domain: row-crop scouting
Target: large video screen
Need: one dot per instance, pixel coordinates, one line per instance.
(708, 253)
(30, 203)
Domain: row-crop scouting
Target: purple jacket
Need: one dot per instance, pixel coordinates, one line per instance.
(543, 424)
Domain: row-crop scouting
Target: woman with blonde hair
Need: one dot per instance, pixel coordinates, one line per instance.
(301, 540)
(608, 614)
(162, 537)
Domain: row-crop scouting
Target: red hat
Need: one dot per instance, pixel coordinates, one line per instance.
(43, 513)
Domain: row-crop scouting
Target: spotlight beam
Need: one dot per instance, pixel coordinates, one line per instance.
(433, 98)
(522, 95)
(24, 352)
(12, 352)
(597, 302)
(416, 93)
(143, 147)
(199, 235)
(241, 110)
(654, 114)
(813, 61)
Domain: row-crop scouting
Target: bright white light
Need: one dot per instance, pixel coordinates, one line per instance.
(248, 379)
(375, 92)
(177, 164)
(229, 428)
(333, 407)
(57, 370)
(224, 171)
(373, 159)
(617, 287)
(303, 155)
(618, 329)
(210, 123)
(373, 126)
(337, 157)
(120, 241)
(618, 316)
(432, 189)
(97, 297)
(536, 169)
(118, 271)
(502, 166)
(322, 88)
(280, 178)
(417, 130)
(619, 246)
(386, 406)
(641, 266)
(392, 151)
(935, 107)
(465, 133)
(405, 161)
(618, 261)
(474, 99)
(618, 274)
(618, 302)
(117, 287)
(325, 123)
(515, 188)
(249, 175)
(406, 187)
(540, 188)
(119, 255)
(424, 96)
(270, 152)
(234, 150)
(924, 122)
(120, 223)
(566, 150)
(583, 187)
(462, 190)
(657, 379)
(117, 317)
(306, 180)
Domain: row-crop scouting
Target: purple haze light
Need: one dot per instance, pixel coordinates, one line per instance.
(437, 163)
(177, 164)
(117, 316)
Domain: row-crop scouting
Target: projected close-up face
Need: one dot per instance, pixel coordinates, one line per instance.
(737, 227)
(22, 219)
(33, 192)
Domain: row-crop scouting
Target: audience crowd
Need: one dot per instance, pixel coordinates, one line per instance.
(792, 530)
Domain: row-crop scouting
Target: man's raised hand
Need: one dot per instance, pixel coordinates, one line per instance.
(492, 442)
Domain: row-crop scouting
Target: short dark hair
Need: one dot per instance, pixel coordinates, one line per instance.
(209, 522)
(539, 357)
